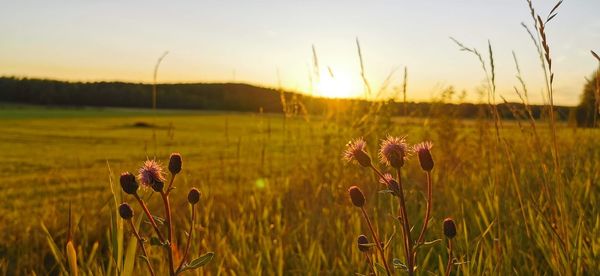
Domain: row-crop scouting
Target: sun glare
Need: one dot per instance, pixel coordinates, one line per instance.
(338, 86)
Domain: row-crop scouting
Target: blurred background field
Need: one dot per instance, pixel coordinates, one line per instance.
(274, 188)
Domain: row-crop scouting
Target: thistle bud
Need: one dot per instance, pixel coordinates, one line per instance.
(157, 186)
(394, 187)
(449, 228)
(355, 151)
(363, 159)
(423, 150)
(175, 163)
(125, 211)
(193, 196)
(391, 184)
(128, 183)
(357, 196)
(362, 241)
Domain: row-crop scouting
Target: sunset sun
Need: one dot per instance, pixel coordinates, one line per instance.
(338, 86)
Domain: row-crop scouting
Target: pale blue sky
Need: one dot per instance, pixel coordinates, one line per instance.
(210, 40)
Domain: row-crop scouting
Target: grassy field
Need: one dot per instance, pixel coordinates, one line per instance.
(274, 190)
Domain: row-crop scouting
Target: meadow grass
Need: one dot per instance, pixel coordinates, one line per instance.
(275, 191)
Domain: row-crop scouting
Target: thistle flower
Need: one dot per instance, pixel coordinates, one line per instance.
(125, 211)
(175, 163)
(151, 175)
(128, 183)
(449, 228)
(355, 151)
(362, 243)
(423, 151)
(193, 196)
(393, 151)
(357, 196)
(391, 183)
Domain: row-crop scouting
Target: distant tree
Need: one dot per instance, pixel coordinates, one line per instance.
(589, 107)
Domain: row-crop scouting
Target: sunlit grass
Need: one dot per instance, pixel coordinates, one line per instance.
(297, 220)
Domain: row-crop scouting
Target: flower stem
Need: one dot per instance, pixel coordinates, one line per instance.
(189, 241)
(427, 213)
(403, 215)
(165, 198)
(169, 188)
(150, 217)
(406, 225)
(449, 266)
(141, 243)
(377, 242)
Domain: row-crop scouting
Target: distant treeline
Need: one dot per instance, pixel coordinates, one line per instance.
(220, 96)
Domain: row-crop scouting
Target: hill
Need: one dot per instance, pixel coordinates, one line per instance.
(216, 96)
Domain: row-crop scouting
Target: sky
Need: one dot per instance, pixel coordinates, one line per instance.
(269, 43)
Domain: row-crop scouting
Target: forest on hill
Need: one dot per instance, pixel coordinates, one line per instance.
(226, 97)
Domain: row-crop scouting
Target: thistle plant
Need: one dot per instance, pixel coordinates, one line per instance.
(363, 246)
(151, 177)
(449, 232)
(394, 153)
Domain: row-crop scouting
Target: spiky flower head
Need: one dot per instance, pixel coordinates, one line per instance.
(357, 196)
(391, 184)
(128, 183)
(449, 228)
(356, 151)
(175, 163)
(362, 243)
(193, 196)
(423, 150)
(151, 175)
(393, 151)
(125, 211)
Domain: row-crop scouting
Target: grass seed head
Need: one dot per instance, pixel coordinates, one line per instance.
(175, 163)
(355, 151)
(357, 196)
(193, 196)
(423, 150)
(128, 183)
(362, 241)
(449, 228)
(150, 174)
(125, 211)
(393, 151)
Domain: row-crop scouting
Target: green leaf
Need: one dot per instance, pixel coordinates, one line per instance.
(428, 243)
(399, 264)
(129, 257)
(202, 260)
(56, 253)
(199, 262)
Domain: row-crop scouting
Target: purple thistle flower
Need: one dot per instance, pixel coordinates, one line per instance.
(150, 173)
(393, 151)
(423, 150)
(356, 151)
